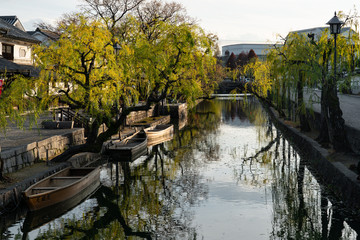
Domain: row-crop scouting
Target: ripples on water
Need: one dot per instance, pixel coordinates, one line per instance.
(228, 174)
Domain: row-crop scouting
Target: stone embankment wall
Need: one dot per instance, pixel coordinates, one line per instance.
(137, 116)
(335, 174)
(176, 111)
(23, 156)
(353, 135)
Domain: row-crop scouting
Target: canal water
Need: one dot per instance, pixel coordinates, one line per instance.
(227, 174)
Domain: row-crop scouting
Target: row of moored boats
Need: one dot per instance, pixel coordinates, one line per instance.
(72, 182)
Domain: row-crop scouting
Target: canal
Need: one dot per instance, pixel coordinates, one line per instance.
(227, 174)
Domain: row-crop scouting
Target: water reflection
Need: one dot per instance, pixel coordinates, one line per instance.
(228, 174)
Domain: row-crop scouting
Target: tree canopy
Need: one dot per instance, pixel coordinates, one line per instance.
(162, 55)
(307, 60)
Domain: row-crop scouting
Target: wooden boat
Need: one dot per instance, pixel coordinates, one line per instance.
(61, 186)
(36, 219)
(160, 133)
(128, 149)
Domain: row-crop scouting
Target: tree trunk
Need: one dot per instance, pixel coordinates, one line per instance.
(337, 124)
(323, 137)
(304, 124)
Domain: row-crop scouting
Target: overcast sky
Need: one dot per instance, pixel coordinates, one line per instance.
(234, 21)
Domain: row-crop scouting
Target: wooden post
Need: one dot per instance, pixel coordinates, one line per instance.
(47, 157)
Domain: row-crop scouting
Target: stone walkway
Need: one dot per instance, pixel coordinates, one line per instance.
(349, 104)
(14, 137)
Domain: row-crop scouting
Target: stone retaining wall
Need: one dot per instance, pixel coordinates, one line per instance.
(136, 116)
(176, 111)
(23, 156)
(353, 135)
(336, 175)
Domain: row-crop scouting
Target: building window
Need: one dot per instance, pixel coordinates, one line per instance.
(22, 52)
(8, 51)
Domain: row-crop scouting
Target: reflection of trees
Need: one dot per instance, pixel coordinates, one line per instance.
(149, 203)
(199, 134)
(249, 110)
(98, 223)
(301, 207)
(153, 199)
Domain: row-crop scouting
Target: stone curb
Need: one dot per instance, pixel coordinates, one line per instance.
(336, 175)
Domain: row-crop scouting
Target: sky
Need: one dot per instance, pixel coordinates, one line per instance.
(233, 21)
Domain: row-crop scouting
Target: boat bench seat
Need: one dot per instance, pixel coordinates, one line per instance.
(45, 188)
(66, 178)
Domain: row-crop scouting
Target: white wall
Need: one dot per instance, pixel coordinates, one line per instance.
(22, 54)
(19, 47)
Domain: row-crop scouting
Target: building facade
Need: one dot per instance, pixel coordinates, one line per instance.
(46, 37)
(16, 47)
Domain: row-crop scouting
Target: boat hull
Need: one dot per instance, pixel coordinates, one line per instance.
(35, 219)
(60, 187)
(159, 134)
(129, 149)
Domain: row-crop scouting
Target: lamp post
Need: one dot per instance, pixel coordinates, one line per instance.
(335, 29)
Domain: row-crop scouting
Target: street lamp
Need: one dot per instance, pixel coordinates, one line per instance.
(335, 25)
(335, 28)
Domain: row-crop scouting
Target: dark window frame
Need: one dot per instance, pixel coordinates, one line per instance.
(8, 51)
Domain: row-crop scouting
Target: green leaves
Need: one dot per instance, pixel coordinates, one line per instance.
(164, 59)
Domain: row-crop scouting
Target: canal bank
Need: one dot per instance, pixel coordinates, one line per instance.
(229, 174)
(333, 168)
(24, 152)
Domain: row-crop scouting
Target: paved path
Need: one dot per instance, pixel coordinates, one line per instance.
(349, 104)
(15, 137)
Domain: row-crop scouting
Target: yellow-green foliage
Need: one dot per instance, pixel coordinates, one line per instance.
(312, 59)
(83, 60)
(261, 80)
(180, 60)
(15, 99)
(82, 67)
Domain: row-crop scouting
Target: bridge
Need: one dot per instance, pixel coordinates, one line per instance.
(227, 85)
(237, 96)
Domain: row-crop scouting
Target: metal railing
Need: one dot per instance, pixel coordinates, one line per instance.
(66, 114)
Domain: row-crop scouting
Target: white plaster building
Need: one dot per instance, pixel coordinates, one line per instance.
(46, 37)
(16, 47)
(317, 31)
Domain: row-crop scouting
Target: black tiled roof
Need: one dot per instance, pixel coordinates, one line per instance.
(10, 67)
(50, 34)
(9, 19)
(7, 30)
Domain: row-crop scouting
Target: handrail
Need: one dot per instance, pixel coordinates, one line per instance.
(66, 114)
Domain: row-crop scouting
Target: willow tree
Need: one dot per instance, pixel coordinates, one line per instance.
(83, 70)
(178, 63)
(306, 60)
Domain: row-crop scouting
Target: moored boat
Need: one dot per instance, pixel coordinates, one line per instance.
(61, 186)
(159, 134)
(128, 149)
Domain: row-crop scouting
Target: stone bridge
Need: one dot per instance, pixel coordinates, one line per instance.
(227, 85)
